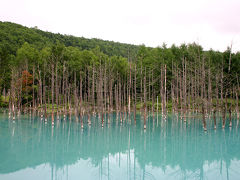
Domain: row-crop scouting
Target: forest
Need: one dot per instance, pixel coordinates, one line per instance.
(54, 74)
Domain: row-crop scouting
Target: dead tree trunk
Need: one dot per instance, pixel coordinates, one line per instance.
(63, 91)
(12, 98)
(172, 90)
(224, 112)
(222, 88)
(237, 106)
(80, 100)
(111, 93)
(203, 118)
(19, 96)
(33, 93)
(203, 95)
(145, 103)
(195, 88)
(93, 90)
(52, 92)
(184, 82)
(70, 99)
(209, 90)
(124, 98)
(214, 119)
(165, 91)
(192, 91)
(101, 95)
(230, 110)
(89, 99)
(129, 94)
(181, 92)
(57, 90)
(162, 91)
(149, 86)
(177, 89)
(216, 93)
(153, 98)
(116, 99)
(120, 99)
(75, 97)
(105, 89)
(40, 91)
(135, 93)
(44, 93)
(141, 87)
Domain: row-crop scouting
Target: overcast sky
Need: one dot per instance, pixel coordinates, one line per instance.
(211, 23)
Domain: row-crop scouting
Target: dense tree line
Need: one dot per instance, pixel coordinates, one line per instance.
(42, 71)
(13, 36)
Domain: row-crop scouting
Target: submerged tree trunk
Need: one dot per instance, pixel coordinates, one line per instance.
(135, 93)
(237, 101)
(141, 87)
(214, 119)
(93, 90)
(52, 92)
(75, 97)
(44, 94)
(165, 91)
(230, 117)
(12, 98)
(129, 94)
(116, 99)
(204, 118)
(209, 90)
(120, 99)
(56, 89)
(145, 103)
(222, 89)
(216, 93)
(40, 91)
(184, 88)
(237, 106)
(224, 112)
(33, 93)
(80, 99)
(162, 91)
(64, 92)
(153, 98)
(89, 99)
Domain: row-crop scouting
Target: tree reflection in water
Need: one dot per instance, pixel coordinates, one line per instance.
(169, 149)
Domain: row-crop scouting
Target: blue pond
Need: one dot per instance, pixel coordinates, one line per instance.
(31, 148)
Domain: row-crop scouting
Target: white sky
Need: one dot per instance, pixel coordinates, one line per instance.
(211, 23)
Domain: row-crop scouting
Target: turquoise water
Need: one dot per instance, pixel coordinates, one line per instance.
(31, 148)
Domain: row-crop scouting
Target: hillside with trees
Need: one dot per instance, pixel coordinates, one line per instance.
(61, 74)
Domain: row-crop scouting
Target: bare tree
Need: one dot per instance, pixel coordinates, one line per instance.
(145, 103)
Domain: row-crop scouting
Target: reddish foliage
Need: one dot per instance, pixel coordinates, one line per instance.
(26, 78)
(27, 81)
